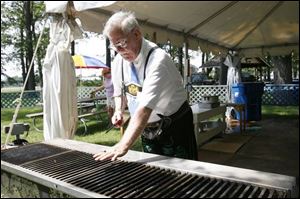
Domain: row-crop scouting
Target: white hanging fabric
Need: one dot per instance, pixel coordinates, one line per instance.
(59, 90)
(233, 77)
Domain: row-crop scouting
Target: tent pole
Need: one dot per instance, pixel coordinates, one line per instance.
(108, 57)
(186, 72)
(73, 48)
(180, 56)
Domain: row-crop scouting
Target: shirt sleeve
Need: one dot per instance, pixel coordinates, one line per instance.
(156, 83)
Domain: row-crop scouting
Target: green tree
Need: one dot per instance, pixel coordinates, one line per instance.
(282, 67)
(176, 54)
(20, 25)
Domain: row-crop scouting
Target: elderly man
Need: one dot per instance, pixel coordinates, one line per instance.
(145, 77)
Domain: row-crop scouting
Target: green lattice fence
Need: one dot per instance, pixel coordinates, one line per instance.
(33, 98)
(30, 98)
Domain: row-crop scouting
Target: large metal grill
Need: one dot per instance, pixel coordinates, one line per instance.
(124, 179)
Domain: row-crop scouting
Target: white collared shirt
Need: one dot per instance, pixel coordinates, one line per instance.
(162, 91)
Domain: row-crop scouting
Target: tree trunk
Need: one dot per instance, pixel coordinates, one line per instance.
(203, 57)
(29, 47)
(223, 74)
(282, 69)
(22, 54)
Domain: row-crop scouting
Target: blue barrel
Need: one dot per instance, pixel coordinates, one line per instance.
(250, 94)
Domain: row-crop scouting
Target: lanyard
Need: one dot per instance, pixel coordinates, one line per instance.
(134, 75)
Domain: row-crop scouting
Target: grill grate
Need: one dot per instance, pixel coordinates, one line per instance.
(128, 179)
(27, 153)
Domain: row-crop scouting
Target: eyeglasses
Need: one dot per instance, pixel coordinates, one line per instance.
(122, 43)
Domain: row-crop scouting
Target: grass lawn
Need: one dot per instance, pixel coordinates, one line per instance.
(284, 112)
(96, 130)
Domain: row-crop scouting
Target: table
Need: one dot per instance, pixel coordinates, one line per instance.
(84, 112)
(205, 129)
(89, 99)
(84, 102)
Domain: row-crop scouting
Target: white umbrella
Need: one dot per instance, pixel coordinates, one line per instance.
(233, 76)
(59, 90)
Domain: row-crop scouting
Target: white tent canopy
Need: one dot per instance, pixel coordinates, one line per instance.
(254, 28)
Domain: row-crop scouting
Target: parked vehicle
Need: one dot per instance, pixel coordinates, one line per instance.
(246, 77)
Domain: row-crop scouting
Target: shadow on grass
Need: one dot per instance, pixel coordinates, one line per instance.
(280, 112)
(7, 114)
(94, 125)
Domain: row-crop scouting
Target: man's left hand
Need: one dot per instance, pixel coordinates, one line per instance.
(116, 151)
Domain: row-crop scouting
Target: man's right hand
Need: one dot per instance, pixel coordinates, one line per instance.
(117, 119)
(92, 94)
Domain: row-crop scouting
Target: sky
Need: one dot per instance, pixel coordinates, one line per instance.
(95, 47)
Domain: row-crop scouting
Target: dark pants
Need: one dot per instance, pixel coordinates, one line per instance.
(178, 140)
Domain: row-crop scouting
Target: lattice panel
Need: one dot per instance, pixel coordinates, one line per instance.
(29, 99)
(282, 95)
(85, 92)
(32, 98)
(286, 94)
(199, 91)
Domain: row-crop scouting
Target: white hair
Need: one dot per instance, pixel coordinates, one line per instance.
(124, 20)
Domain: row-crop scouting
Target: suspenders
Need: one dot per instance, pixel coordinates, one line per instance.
(147, 59)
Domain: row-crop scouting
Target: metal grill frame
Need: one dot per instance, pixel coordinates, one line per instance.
(273, 181)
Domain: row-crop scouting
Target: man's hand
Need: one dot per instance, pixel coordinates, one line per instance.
(116, 151)
(92, 94)
(117, 119)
